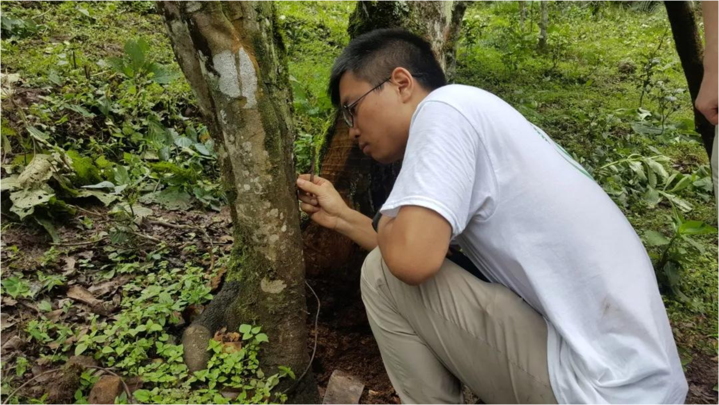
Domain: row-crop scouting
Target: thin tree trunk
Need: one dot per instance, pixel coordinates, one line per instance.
(234, 60)
(543, 23)
(689, 47)
(522, 14)
(364, 183)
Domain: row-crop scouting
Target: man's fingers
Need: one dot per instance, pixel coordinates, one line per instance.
(310, 209)
(307, 199)
(308, 187)
(317, 180)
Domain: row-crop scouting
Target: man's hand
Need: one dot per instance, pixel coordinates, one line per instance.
(321, 201)
(706, 101)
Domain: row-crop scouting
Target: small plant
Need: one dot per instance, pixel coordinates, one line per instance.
(677, 250)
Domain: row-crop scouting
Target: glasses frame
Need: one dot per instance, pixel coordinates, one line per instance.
(347, 114)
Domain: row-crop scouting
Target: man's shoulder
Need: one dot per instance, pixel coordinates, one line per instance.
(468, 100)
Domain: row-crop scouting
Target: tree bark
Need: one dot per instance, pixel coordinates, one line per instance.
(235, 62)
(522, 14)
(364, 184)
(691, 53)
(543, 23)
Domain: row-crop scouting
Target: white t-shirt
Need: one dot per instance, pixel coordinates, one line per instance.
(532, 219)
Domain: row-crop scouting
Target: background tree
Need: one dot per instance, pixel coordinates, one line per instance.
(233, 59)
(543, 23)
(691, 53)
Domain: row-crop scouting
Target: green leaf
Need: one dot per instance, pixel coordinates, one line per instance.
(657, 168)
(244, 328)
(184, 142)
(170, 198)
(105, 198)
(256, 330)
(651, 197)
(696, 228)
(80, 348)
(694, 243)
(25, 201)
(142, 395)
(202, 149)
(36, 133)
(654, 238)
(261, 337)
(81, 110)
(644, 129)
(44, 306)
(104, 184)
(136, 51)
(162, 74)
(49, 227)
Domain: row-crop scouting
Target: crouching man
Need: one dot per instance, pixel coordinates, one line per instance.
(571, 312)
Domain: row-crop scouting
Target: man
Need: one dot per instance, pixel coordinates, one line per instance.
(572, 313)
(706, 101)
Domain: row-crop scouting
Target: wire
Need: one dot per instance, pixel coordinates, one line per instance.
(314, 349)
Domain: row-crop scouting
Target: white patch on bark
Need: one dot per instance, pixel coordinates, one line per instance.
(193, 6)
(247, 146)
(274, 212)
(248, 78)
(272, 287)
(274, 238)
(284, 228)
(225, 65)
(246, 187)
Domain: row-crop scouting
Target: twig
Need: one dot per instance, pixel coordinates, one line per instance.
(28, 382)
(89, 242)
(314, 349)
(148, 237)
(130, 398)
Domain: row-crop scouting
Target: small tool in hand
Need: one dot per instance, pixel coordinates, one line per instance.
(312, 165)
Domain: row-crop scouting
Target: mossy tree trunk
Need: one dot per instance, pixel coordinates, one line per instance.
(543, 23)
(691, 53)
(234, 60)
(364, 183)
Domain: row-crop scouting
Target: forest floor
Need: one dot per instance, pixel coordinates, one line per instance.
(91, 284)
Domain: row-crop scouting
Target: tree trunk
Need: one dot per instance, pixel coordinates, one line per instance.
(364, 183)
(522, 14)
(543, 23)
(235, 62)
(691, 53)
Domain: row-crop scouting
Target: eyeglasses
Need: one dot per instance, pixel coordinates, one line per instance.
(347, 109)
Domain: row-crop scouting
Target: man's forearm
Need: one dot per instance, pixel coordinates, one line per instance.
(357, 227)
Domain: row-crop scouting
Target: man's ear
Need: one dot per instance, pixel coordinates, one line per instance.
(405, 83)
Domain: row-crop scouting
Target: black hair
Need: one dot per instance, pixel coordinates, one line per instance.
(374, 55)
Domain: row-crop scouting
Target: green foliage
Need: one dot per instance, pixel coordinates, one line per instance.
(677, 251)
(229, 368)
(103, 116)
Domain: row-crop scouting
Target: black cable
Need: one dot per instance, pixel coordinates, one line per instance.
(314, 350)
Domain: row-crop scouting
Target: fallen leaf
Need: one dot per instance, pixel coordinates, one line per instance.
(108, 287)
(69, 266)
(14, 343)
(217, 280)
(231, 347)
(83, 295)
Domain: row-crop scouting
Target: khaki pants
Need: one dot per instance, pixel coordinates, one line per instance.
(453, 329)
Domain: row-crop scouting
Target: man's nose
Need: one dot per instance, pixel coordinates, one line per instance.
(354, 133)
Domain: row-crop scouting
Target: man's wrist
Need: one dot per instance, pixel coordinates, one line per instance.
(344, 221)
